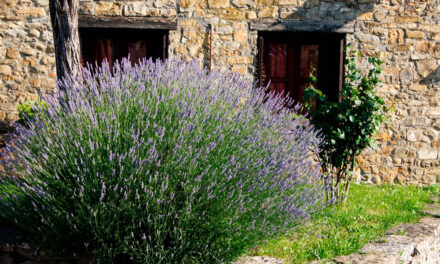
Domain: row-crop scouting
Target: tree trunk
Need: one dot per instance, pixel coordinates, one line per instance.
(64, 18)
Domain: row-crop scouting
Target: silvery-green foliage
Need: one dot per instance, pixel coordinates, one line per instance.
(162, 163)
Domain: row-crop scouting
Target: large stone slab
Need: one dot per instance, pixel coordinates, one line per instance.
(404, 244)
(259, 260)
(432, 209)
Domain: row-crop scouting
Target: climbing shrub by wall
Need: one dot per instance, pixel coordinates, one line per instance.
(348, 126)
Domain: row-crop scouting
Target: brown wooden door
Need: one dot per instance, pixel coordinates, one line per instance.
(288, 60)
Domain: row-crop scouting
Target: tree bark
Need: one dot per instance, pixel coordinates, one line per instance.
(64, 18)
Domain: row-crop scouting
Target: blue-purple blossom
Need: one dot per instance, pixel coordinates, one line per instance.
(203, 164)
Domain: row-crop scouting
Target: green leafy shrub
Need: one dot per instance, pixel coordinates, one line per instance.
(28, 109)
(162, 163)
(348, 126)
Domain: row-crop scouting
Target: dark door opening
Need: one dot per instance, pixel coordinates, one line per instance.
(114, 44)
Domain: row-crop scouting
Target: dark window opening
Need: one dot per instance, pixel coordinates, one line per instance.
(287, 60)
(114, 44)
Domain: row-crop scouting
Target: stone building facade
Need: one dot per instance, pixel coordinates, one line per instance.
(405, 34)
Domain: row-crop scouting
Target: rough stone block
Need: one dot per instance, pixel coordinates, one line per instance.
(244, 3)
(400, 152)
(34, 33)
(36, 83)
(396, 36)
(154, 12)
(406, 19)
(415, 34)
(418, 87)
(424, 46)
(406, 76)
(286, 2)
(427, 153)
(251, 15)
(31, 11)
(268, 12)
(108, 9)
(239, 60)
(49, 60)
(87, 8)
(426, 67)
(9, 3)
(13, 53)
(240, 35)
(135, 9)
(240, 69)
(43, 2)
(188, 3)
(218, 3)
(380, 15)
(365, 16)
(434, 111)
(5, 70)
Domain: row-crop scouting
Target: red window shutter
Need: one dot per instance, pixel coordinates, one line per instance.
(164, 47)
(261, 65)
(341, 66)
(277, 67)
(105, 51)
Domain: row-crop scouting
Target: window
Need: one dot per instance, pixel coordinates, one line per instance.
(287, 59)
(114, 44)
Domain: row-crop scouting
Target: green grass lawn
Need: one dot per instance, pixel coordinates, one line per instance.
(343, 229)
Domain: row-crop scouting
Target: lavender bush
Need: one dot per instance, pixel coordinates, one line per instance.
(161, 163)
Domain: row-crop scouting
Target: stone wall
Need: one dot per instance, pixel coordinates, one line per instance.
(405, 34)
(27, 59)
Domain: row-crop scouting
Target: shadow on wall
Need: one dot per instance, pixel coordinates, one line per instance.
(341, 16)
(338, 13)
(5, 128)
(433, 77)
(207, 46)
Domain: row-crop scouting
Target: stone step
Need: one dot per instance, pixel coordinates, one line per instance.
(435, 199)
(259, 260)
(407, 243)
(432, 209)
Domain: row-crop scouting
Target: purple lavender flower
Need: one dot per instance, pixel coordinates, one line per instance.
(165, 151)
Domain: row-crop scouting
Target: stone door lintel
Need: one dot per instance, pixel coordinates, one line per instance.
(88, 21)
(302, 26)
